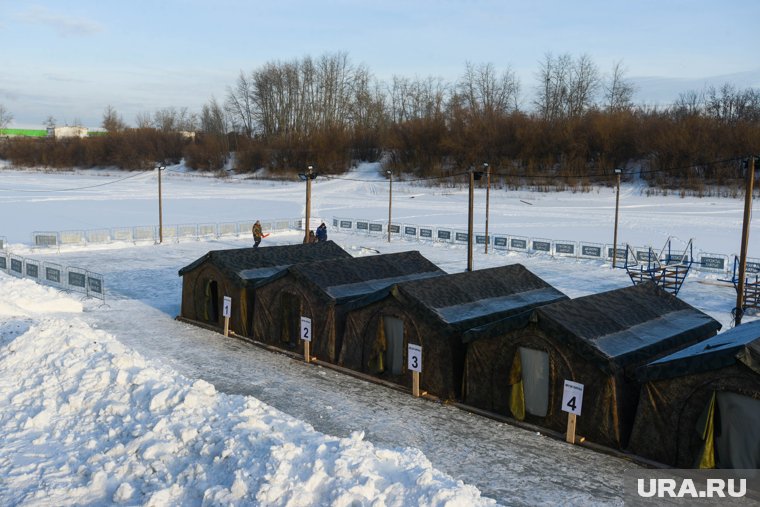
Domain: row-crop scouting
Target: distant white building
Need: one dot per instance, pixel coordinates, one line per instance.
(59, 132)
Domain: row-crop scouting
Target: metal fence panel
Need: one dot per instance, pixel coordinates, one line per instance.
(228, 229)
(281, 225)
(2, 242)
(76, 279)
(362, 226)
(52, 274)
(539, 245)
(32, 269)
(72, 238)
(144, 233)
(518, 243)
(565, 248)
(411, 232)
(445, 235)
(461, 237)
(591, 250)
(169, 233)
(376, 228)
(500, 242)
(4, 261)
(122, 234)
(16, 266)
(712, 262)
(98, 236)
(186, 231)
(95, 285)
(45, 239)
(207, 231)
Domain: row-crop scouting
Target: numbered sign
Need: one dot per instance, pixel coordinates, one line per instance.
(227, 307)
(572, 397)
(306, 329)
(414, 358)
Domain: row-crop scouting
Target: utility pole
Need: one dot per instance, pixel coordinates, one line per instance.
(390, 202)
(745, 240)
(160, 210)
(474, 175)
(488, 198)
(308, 177)
(617, 206)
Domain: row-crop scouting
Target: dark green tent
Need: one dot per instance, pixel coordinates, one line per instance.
(518, 366)
(321, 291)
(434, 313)
(700, 406)
(234, 273)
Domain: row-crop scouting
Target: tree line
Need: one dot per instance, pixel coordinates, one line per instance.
(329, 113)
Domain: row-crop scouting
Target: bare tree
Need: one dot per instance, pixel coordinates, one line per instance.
(50, 121)
(213, 118)
(689, 103)
(112, 121)
(618, 92)
(584, 83)
(239, 104)
(143, 120)
(420, 98)
(485, 92)
(566, 87)
(5, 117)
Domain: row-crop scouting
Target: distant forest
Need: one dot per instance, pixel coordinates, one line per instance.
(329, 113)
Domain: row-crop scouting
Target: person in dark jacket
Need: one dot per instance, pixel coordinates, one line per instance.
(322, 232)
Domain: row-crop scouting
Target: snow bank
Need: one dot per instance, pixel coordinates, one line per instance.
(87, 421)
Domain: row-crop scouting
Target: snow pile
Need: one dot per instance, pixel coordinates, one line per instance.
(87, 421)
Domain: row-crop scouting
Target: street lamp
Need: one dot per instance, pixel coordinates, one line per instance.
(617, 205)
(487, 169)
(474, 175)
(390, 201)
(160, 210)
(307, 177)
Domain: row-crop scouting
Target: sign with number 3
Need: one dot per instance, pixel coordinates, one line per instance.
(414, 358)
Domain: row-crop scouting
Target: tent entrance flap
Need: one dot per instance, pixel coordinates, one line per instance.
(290, 319)
(535, 378)
(211, 312)
(737, 436)
(394, 336)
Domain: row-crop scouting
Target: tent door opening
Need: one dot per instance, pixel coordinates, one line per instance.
(212, 301)
(535, 377)
(737, 435)
(290, 320)
(394, 336)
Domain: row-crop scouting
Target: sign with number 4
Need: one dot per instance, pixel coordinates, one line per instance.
(306, 329)
(572, 397)
(414, 357)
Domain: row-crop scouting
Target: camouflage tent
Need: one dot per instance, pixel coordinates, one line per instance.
(234, 273)
(321, 290)
(434, 313)
(518, 366)
(700, 406)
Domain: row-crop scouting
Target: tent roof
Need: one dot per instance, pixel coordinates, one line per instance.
(465, 300)
(350, 278)
(245, 266)
(626, 326)
(741, 343)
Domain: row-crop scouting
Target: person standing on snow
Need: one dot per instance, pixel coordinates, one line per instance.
(322, 232)
(257, 234)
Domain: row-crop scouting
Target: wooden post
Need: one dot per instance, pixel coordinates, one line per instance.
(390, 202)
(416, 384)
(306, 355)
(226, 326)
(617, 203)
(160, 211)
(571, 422)
(745, 240)
(488, 198)
(469, 220)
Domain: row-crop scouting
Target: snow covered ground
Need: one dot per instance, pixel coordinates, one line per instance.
(119, 403)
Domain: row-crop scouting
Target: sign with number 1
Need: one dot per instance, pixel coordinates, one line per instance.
(414, 356)
(306, 329)
(227, 306)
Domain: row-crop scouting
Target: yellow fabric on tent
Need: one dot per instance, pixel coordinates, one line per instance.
(707, 433)
(376, 362)
(517, 395)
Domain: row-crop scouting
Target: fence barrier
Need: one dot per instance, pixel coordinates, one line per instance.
(48, 273)
(704, 261)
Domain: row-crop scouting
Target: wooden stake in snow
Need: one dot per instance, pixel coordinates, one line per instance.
(306, 337)
(226, 313)
(572, 401)
(414, 363)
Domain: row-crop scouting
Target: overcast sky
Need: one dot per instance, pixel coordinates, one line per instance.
(71, 59)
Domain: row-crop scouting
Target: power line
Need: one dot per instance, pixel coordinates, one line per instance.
(75, 188)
